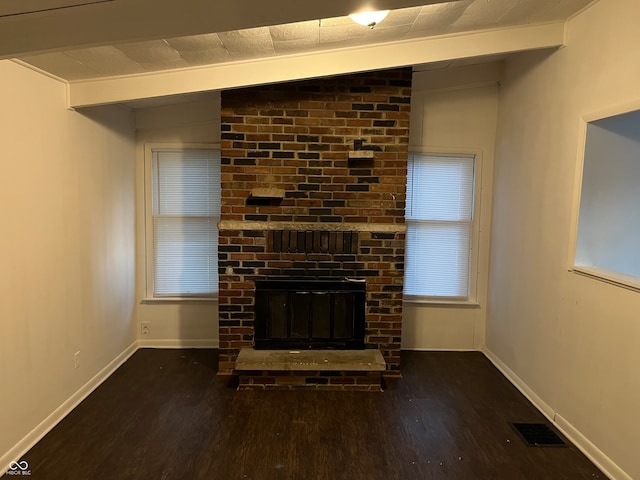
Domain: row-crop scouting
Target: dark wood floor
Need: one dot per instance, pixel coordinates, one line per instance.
(166, 415)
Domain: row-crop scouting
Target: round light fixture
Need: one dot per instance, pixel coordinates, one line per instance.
(369, 19)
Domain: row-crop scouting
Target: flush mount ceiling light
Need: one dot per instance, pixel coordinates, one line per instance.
(369, 19)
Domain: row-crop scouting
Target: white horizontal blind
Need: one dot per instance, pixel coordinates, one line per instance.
(439, 225)
(185, 211)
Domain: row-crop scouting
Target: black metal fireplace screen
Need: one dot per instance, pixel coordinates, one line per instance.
(310, 313)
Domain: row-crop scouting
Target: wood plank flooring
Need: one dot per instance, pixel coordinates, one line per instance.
(165, 414)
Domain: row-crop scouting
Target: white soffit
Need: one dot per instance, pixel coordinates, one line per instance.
(318, 64)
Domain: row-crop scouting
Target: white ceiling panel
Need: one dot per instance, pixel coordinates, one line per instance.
(484, 14)
(347, 34)
(405, 16)
(437, 19)
(165, 64)
(61, 66)
(205, 57)
(294, 31)
(295, 38)
(335, 22)
(107, 60)
(523, 12)
(296, 46)
(250, 43)
(196, 42)
(150, 52)
(386, 34)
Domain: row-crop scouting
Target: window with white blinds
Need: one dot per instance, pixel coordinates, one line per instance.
(185, 212)
(439, 216)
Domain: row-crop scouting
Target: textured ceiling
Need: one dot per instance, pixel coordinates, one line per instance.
(451, 17)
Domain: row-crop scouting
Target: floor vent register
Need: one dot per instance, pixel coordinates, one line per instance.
(538, 435)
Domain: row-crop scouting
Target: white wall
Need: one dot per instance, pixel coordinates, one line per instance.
(186, 323)
(66, 251)
(456, 111)
(572, 341)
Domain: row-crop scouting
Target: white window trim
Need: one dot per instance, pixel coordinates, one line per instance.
(600, 274)
(472, 300)
(148, 222)
(608, 276)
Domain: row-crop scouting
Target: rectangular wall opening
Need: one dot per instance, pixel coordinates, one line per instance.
(609, 220)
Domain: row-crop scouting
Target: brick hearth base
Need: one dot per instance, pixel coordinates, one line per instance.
(354, 370)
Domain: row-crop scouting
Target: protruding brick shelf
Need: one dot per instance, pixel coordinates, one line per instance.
(361, 154)
(296, 138)
(338, 226)
(310, 369)
(266, 192)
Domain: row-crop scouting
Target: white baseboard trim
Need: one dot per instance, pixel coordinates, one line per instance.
(180, 343)
(593, 453)
(540, 404)
(33, 437)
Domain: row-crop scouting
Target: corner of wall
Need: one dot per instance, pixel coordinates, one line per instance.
(44, 427)
(591, 451)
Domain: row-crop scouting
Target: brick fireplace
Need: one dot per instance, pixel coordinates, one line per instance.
(313, 186)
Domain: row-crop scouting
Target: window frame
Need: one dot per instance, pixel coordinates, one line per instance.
(600, 274)
(149, 296)
(471, 300)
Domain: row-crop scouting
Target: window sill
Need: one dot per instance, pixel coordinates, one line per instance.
(434, 302)
(166, 300)
(629, 282)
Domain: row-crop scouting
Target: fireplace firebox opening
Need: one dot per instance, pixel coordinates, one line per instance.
(310, 314)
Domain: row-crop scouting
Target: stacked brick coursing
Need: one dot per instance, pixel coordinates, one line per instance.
(317, 380)
(295, 138)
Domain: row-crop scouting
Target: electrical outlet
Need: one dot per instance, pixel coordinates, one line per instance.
(145, 328)
(76, 359)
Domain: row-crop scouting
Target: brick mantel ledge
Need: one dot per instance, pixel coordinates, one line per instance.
(326, 226)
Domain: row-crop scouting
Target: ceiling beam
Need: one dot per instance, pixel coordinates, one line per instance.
(120, 21)
(320, 64)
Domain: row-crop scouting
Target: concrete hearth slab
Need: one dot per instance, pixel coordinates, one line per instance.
(368, 360)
